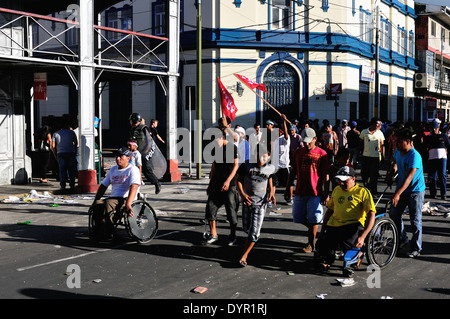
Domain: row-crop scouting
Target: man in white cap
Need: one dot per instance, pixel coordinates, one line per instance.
(349, 218)
(310, 166)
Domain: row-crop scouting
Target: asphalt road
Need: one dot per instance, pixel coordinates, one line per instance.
(52, 256)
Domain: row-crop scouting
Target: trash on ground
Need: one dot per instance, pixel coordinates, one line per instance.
(321, 296)
(97, 281)
(200, 290)
(347, 282)
(386, 297)
(24, 223)
(182, 190)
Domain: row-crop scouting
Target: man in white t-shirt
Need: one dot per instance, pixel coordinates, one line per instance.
(125, 180)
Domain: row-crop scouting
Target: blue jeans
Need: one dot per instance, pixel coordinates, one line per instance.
(414, 202)
(437, 168)
(67, 166)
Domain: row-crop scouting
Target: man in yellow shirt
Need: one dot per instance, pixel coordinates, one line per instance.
(349, 218)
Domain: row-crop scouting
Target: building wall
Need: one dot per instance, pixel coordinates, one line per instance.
(323, 65)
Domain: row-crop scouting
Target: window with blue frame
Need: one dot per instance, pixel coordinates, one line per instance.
(411, 43)
(159, 17)
(401, 41)
(280, 17)
(385, 34)
(120, 19)
(365, 25)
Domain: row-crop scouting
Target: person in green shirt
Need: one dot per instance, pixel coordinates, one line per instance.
(348, 220)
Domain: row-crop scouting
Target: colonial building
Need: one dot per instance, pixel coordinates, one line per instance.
(301, 50)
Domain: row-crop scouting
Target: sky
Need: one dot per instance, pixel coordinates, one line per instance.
(438, 2)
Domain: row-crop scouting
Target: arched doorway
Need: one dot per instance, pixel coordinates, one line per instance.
(282, 84)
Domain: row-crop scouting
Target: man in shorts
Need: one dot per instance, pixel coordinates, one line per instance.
(310, 167)
(221, 190)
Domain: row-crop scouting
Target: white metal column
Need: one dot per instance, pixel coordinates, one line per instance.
(86, 97)
(172, 84)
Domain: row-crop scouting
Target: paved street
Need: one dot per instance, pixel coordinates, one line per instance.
(35, 257)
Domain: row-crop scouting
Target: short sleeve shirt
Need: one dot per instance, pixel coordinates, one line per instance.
(350, 206)
(311, 166)
(372, 143)
(412, 159)
(122, 179)
(65, 141)
(255, 180)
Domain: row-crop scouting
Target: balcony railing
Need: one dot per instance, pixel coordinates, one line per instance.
(27, 35)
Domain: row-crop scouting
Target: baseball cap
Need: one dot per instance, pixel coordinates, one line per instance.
(270, 122)
(240, 130)
(436, 123)
(345, 172)
(308, 134)
(122, 151)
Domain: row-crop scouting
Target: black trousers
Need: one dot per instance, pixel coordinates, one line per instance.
(370, 166)
(343, 237)
(148, 172)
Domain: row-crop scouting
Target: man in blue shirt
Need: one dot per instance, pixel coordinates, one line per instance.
(410, 190)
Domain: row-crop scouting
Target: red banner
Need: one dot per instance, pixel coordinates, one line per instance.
(228, 107)
(250, 83)
(40, 86)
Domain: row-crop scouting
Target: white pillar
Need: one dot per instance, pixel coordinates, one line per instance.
(86, 98)
(173, 24)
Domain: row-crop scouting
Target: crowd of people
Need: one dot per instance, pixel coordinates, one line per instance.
(315, 167)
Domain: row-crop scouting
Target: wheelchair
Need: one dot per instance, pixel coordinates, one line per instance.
(141, 227)
(380, 245)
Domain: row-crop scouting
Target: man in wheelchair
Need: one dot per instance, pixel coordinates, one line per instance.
(125, 180)
(348, 220)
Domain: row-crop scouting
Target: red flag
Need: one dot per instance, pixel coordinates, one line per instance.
(250, 83)
(228, 107)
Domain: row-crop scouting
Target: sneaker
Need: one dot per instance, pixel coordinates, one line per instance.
(413, 254)
(289, 202)
(210, 239)
(232, 240)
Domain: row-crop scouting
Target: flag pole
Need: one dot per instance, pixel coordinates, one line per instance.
(260, 97)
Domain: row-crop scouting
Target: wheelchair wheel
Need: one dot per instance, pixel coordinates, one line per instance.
(382, 242)
(143, 225)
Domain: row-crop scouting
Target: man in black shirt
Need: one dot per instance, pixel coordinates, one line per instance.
(222, 185)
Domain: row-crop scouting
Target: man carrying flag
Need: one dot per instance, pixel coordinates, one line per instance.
(228, 107)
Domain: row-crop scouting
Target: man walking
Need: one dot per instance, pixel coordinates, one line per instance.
(372, 145)
(141, 133)
(410, 190)
(310, 167)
